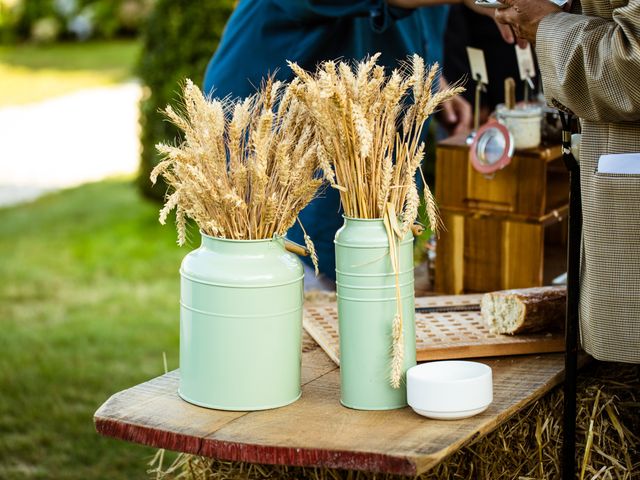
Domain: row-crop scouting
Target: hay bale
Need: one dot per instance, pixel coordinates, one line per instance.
(528, 446)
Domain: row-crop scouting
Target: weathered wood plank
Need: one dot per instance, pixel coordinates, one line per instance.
(391, 441)
(317, 430)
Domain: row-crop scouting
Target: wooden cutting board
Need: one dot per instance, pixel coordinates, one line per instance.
(440, 335)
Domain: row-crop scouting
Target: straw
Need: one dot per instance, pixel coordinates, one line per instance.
(528, 446)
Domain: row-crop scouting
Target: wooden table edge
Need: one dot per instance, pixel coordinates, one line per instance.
(302, 457)
(251, 453)
(294, 456)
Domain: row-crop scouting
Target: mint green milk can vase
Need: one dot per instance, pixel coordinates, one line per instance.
(240, 324)
(367, 305)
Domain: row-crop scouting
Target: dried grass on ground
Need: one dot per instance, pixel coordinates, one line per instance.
(526, 447)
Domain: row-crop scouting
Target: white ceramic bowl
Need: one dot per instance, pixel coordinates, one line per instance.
(449, 390)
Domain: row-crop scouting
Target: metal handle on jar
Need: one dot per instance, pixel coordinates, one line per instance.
(417, 229)
(293, 247)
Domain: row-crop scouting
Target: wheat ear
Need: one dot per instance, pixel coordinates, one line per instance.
(435, 222)
(397, 339)
(311, 247)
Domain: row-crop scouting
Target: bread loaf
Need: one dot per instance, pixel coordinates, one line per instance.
(526, 310)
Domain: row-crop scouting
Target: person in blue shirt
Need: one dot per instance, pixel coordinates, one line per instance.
(261, 35)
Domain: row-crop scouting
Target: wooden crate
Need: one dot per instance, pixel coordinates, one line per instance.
(533, 185)
(481, 253)
(502, 231)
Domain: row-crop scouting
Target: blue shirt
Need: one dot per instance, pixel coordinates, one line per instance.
(262, 35)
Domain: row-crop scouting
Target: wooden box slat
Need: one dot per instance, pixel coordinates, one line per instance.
(317, 431)
(495, 225)
(532, 185)
(487, 253)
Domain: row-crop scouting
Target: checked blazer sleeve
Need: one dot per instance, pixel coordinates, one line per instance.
(591, 64)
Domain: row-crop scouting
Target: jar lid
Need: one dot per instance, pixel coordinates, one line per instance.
(521, 110)
(492, 148)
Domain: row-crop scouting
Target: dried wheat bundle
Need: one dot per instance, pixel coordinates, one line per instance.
(245, 169)
(370, 127)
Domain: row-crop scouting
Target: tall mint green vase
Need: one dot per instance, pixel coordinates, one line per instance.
(240, 324)
(366, 290)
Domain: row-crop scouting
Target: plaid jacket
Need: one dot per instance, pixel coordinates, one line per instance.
(590, 65)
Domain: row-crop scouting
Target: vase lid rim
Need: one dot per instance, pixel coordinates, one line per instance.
(356, 219)
(240, 240)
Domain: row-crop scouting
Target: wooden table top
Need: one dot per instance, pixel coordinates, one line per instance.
(316, 430)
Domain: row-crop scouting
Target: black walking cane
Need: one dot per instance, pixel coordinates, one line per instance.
(573, 297)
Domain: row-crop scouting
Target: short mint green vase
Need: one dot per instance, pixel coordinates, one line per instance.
(240, 324)
(366, 290)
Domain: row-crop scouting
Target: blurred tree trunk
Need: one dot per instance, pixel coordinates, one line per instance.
(178, 41)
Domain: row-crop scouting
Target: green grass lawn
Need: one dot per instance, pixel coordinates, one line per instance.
(88, 305)
(30, 73)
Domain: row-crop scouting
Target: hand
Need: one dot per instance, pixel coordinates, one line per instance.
(508, 36)
(456, 114)
(524, 16)
(505, 30)
(412, 4)
(409, 4)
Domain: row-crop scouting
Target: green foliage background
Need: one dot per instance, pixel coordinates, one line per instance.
(88, 308)
(109, 18)
(178, 41)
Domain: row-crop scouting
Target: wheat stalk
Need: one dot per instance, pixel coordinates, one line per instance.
(369, 129)
(245, 168)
